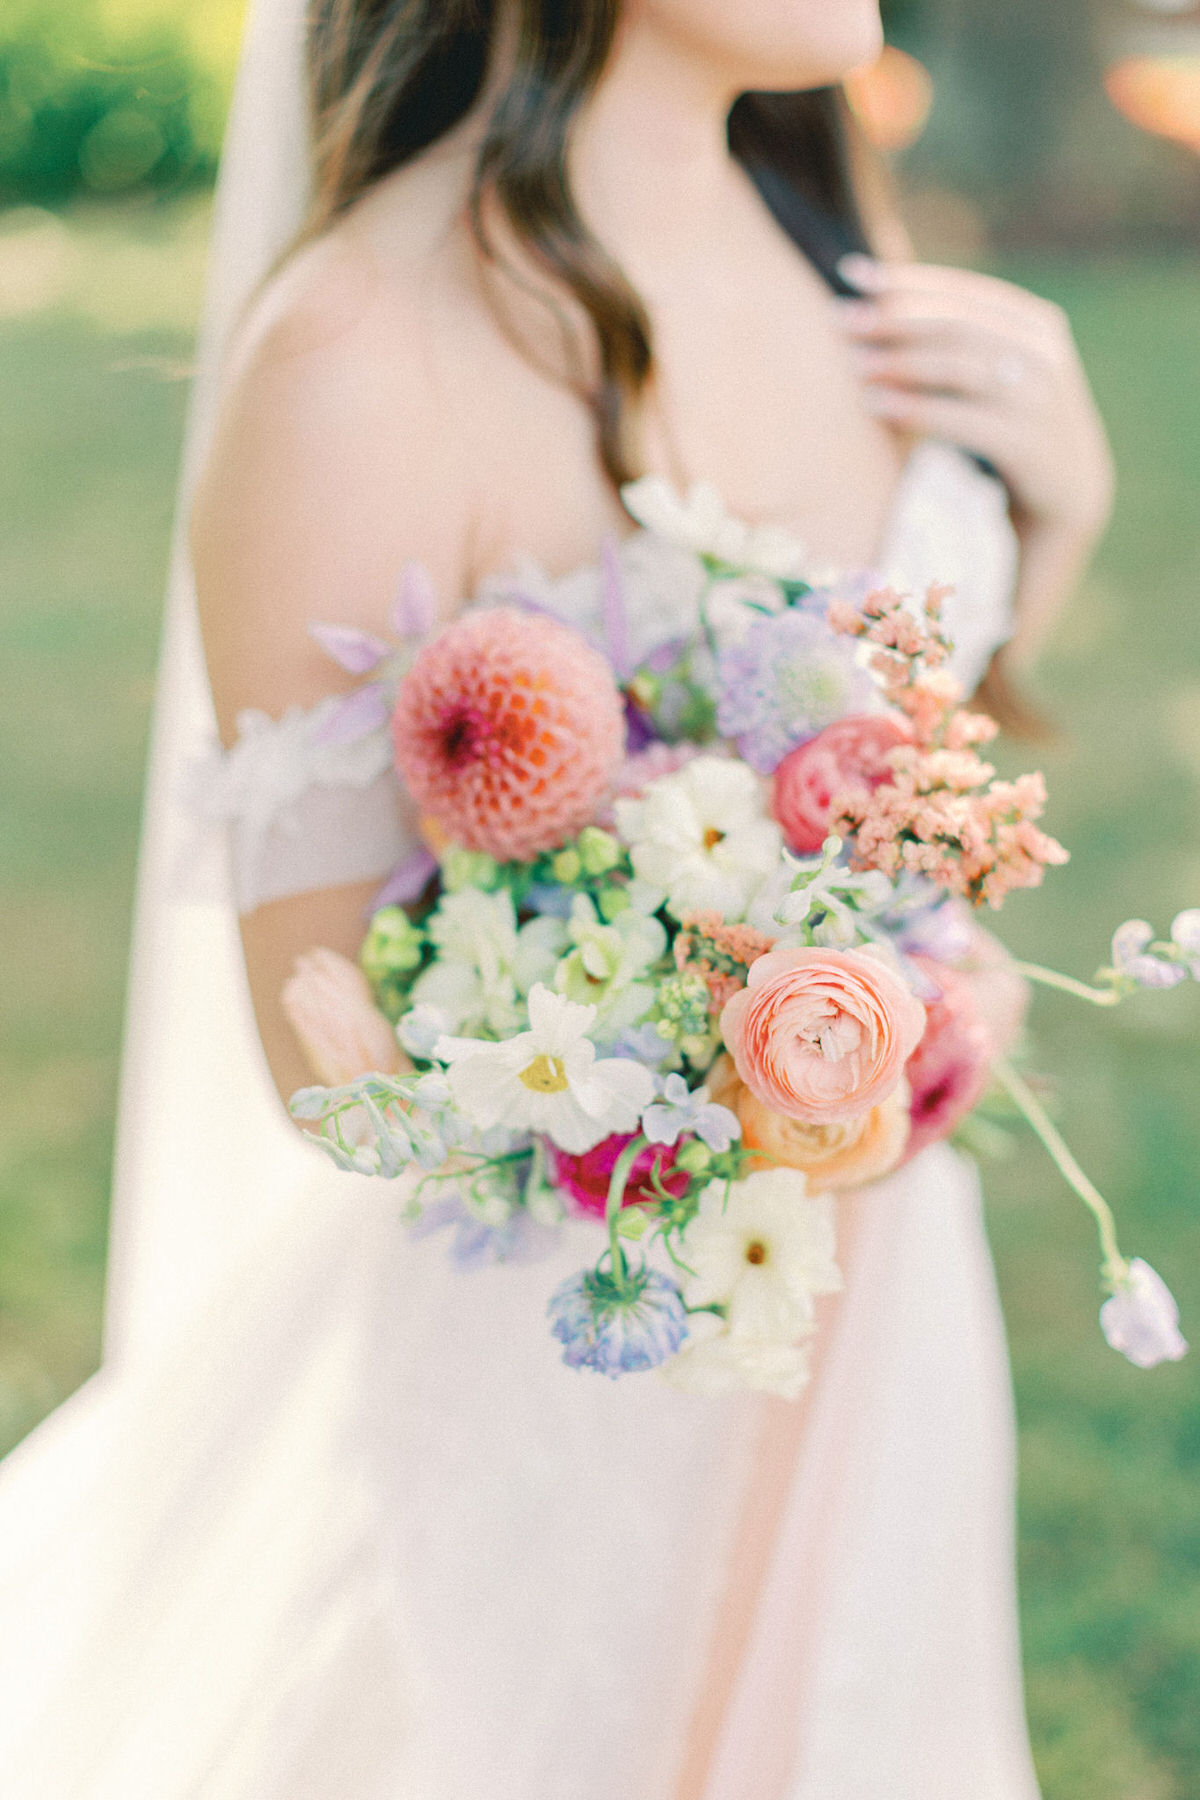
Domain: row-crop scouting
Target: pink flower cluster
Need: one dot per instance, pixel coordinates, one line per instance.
(942, 814)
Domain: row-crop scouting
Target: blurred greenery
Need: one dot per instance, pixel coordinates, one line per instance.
(101, 310)
(109, 96)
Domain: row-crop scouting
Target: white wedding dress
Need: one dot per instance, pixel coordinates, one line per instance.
(334, 1522)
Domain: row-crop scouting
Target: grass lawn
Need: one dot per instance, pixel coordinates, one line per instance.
(94, 328)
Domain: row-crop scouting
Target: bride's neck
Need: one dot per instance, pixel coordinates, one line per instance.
(650, 163)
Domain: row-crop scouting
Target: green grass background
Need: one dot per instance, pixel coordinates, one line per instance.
(91, 409)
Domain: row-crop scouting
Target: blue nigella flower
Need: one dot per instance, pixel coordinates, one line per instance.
(787, 679)
(617, 1329)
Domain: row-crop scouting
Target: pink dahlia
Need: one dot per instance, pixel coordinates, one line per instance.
(508, 728)
(585, 1178)
(948, 1071)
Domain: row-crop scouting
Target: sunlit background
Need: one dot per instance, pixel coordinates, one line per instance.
(1057, 143)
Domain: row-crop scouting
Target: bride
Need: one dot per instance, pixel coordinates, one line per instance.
(333, 1524)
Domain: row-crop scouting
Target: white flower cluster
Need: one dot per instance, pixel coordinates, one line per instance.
(762, 1249)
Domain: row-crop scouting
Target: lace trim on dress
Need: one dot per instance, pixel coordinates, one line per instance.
(304, 808)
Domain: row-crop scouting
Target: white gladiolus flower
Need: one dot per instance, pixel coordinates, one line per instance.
(703, 836)
(762, 1249)
(485, 966)
(605, 967)
(701, 524)
(547, 1079)
(1141, 1319)
(726, 1363)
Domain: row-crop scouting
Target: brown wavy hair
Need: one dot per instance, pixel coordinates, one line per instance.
(389, 78)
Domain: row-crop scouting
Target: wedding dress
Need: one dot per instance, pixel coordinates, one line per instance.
(334, 1523)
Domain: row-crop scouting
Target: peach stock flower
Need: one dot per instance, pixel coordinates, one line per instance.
(342, 1032)
(821, 1035)
(849, 758)
(844, 1154)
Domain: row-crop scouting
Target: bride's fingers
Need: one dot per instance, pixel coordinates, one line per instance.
(995, 371)
(913, 286)
(972, 424)
(877, 322)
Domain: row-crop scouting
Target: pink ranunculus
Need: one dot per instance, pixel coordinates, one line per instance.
(1001, 992)
(586, 1178)
(849, 758)
(342, 1032)
(948, 1071)
(821, 1035)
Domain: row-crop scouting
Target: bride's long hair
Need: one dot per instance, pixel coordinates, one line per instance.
(389, 78)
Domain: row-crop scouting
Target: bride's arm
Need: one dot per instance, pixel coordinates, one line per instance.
(335, 461)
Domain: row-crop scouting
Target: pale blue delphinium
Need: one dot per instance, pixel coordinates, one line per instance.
(618, 1328)
(681, 1110)
(788, 678)
(477, 1242)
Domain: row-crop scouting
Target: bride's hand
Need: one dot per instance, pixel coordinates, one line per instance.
(952, 354)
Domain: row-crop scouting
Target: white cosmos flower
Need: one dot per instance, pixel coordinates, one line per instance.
(726, 1363)
(701, 524)
(762, 1249)
(547, 1079)
(703, 836)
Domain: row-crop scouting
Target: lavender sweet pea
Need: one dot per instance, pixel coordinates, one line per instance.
(1141, 1319)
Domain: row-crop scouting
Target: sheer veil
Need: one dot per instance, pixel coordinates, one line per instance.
(187, 1192)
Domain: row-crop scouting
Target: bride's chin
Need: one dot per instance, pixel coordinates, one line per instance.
(776, 45)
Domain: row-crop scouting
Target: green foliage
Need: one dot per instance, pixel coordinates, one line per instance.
(93, 105)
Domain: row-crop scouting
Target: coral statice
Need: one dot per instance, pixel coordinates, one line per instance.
(617, 1328)
(786, 680)
(942, 814)
(507, 731)
(718, 953)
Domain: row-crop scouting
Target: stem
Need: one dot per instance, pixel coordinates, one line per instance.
(622, 1169)
(1068, 984)
(1116, 1269)
(706, 624)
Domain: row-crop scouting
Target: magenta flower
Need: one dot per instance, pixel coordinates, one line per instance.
(948, 1071)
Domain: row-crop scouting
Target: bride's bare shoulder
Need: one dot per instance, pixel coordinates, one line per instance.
(341, 444)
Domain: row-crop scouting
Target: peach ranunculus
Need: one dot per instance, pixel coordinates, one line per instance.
(845, 1154)
(342, 1032)
(847, 759)
(821, 1035)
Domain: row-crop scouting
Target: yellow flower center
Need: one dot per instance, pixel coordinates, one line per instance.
(545, 1075)
(713, 837)
(756, 1253)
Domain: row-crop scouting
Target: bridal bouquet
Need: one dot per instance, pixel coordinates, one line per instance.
(692, 942)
